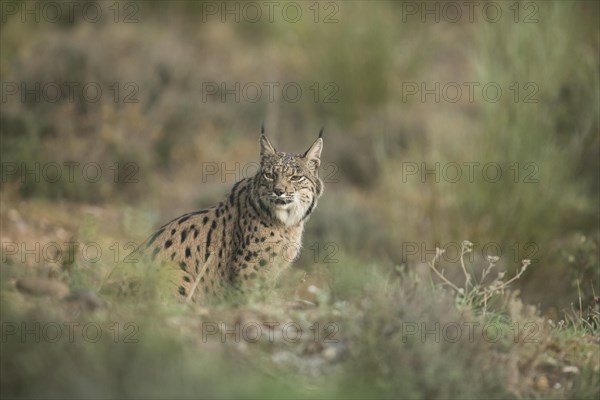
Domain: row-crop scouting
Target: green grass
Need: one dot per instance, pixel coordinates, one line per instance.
(369, 213)
(384, 335)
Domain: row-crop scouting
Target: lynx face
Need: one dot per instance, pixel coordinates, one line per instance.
(289, 184)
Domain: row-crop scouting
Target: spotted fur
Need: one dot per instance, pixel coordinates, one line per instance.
(246, 240)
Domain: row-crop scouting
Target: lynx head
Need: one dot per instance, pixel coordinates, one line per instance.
(288, 185)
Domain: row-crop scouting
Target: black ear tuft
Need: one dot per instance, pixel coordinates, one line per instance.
(321, 131)
(262, 129)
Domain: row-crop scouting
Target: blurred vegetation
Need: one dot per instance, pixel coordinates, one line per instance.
(353, 73)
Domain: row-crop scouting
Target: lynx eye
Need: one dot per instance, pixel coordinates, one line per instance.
(269, 176)
(296, 178)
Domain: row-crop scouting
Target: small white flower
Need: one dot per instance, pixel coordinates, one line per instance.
(467, 246)
(570, 369)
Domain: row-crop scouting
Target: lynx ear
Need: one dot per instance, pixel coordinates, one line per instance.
(313, 154)
(266, 148)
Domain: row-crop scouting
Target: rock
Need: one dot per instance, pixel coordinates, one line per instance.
(86, 299)
(570, 369)
(541, 383)
(42, 287)
(330, 353)
(334, 352)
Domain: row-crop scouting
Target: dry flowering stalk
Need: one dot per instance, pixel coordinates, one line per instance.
(477, 291)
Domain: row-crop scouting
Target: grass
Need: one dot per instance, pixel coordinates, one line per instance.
(379, 321)
(357, 264)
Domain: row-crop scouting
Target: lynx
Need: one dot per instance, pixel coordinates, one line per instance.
(244, 242)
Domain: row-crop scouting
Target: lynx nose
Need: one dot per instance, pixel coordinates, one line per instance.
(278, 191)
